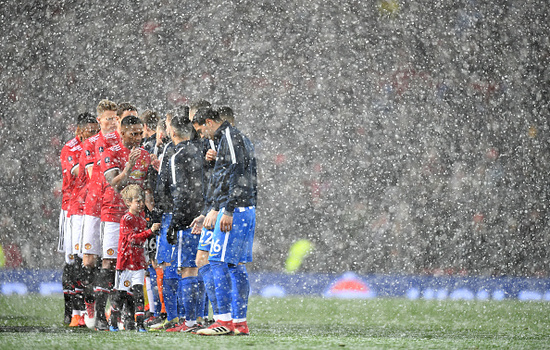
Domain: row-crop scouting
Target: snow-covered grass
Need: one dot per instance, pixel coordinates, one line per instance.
(34, 322)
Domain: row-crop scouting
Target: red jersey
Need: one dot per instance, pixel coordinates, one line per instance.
(69, 160)
(97, 181)
(115, 158)
(131, 243)
(86, 160)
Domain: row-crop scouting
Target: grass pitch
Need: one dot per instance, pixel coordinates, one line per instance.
(35, 322)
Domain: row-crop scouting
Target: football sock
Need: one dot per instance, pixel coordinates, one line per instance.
(189, 293)
(67, 289)
(201, 296)
(210, 287)
(139, 301)
(240, 291)
(222, 280)
(170, 291)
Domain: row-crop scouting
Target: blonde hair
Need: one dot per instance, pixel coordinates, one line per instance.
(131, 192)
(105, 105)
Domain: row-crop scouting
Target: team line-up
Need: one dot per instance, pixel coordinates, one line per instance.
(157, 220)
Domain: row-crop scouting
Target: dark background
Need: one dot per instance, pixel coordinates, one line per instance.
(406, 142)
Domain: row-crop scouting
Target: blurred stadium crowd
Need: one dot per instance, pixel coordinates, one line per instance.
(410, 138)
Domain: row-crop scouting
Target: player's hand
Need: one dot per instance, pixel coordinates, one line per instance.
(210, 220)
(155, 162)
(211, 155)
(172, 236)
(133, 157)
(226, 223)
(155, 228)
(196, 225)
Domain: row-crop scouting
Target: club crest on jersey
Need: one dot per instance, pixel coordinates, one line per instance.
(126, 283)
(110, 252)
(87, 246)
(137, 174)
(76, 246)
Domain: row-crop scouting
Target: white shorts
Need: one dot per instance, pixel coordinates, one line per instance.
(68, 241)
(91, 235)
(61, 239)
(109, 234)
(128, 278)
(76, 233)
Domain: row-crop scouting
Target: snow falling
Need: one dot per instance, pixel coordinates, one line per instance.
(396, 136)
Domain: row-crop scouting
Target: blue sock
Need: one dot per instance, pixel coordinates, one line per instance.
(155, 290)
(201, 295)
(210, 287)
(170, 292)
(180, 295)
(189, 295)
(222, 281)
(240, 291)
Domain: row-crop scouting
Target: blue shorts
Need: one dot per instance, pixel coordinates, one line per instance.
(235, 246)
(205, 240)
(164, 249)
(187, 248)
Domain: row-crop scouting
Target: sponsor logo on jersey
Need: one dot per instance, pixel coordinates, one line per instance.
(110, 252)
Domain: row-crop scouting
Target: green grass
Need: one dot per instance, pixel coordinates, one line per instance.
(34, 322)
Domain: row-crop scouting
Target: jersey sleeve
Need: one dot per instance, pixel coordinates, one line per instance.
(109, 161)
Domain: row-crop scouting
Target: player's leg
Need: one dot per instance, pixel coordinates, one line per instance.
(205, 273)
(137, 293)
(91, 249)
(244, 222)
(122, 286)
(188, 284)
(106, 276)
(220, 257)
(78, 302)
(65, 279)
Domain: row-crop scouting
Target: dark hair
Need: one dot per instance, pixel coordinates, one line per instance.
(226, 113)
(200, 104)
(150, 118)
(85, 118)
(206, 113)
(125, 106)
(182, 126)
(131, 120)
(180, 111)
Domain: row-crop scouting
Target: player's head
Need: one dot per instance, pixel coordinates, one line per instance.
(180, 111)
(131, 131)
(226, 113)
(86, 125)
(206, 122)
(106, 116)
(131, 194)
(150, 121)
(182, 128)
(195, 106)
(125, 109)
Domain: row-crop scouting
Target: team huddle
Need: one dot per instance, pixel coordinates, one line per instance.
(157, 220)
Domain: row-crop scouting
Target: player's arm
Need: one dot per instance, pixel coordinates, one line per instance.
(119, 179)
